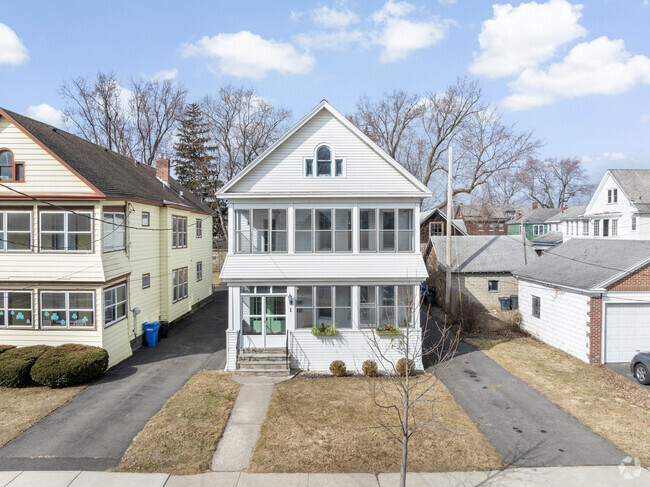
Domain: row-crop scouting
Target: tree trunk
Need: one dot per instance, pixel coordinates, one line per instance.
(405, 447)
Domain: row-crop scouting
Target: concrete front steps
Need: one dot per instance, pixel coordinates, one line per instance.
(272, 362)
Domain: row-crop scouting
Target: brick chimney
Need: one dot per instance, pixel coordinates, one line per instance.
(162, 170)
(534, 206)
(565, 208)
(517, 214)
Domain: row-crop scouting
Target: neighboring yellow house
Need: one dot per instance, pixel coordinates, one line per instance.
(92, 243)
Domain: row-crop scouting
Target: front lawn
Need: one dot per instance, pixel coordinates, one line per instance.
(21, 408)
(610, 405)
(183, 436)
(328, 425)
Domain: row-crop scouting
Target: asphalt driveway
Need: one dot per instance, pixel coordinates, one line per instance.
(525, 428)
(93, 430)
(624, 370)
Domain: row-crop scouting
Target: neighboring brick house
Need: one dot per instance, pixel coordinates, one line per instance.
(590, 298)
(433, 223)
(489, 219)
(481, 266)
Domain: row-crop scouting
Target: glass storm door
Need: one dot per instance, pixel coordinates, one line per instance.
(264, 321)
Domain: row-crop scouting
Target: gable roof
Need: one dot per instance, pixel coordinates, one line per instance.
(483, 253)
(636, 185)
(538, 215)
(570, 213)
(324, 105)
(587, 264)
(457, 223)
(112, 174)
(490, 212)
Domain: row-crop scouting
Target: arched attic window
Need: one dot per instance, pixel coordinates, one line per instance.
(326, 165)
(9, 169)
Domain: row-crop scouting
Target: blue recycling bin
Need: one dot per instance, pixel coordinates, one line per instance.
(151, 333)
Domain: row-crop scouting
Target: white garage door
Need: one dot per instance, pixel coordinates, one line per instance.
(627, 330)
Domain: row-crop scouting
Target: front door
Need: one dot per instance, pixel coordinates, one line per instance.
(264, 320)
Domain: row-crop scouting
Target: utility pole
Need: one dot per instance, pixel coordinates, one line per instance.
(450, 203)
(523, 237)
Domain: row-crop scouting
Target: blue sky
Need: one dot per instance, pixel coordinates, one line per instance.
(576, 73)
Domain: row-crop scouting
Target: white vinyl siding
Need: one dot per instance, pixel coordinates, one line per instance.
(114, 231)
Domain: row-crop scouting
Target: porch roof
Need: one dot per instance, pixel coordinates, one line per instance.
(293, 268)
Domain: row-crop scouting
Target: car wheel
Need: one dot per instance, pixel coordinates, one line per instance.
(641, 374)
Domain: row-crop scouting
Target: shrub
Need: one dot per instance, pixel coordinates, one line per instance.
(468, 313)
(70, 365)
(4, 348)
(16, 364)
(338, 368)
(401, 367)
(369, 368)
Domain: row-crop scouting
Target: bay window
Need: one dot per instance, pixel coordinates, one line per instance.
(115, 305)
(15, 231)
(67, 309)
(16, 309)
(66, 231)
(114, 231)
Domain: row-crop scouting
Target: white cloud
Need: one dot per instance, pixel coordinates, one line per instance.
(47, 114)
(601, 66)
(447, 2)
(399, 36)
(645, 118)
(614, 156)
(247, 55)
(330, 18)
(162, 75)
(12, 50)
(337, 39)
(586, 158)
(296, 16)
(517, 38)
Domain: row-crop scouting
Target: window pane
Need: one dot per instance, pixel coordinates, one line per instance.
(323, 219)
(324, 168)
(279, 289)
(324, 153)
(387, 241)
(81, 222)
(405, 219)
(276, 305)
(343, 219)
(303, 241)
(387, 219)
(53, 300)
(242, 228)
(343, 241)
(20, 318)
(304, 317)
(309, 167)
(387, 316)
(276, 325)
(367, 295)
(81, 300)
(323, 316)
(18, 222)
(279, 219)
(83, 241)
(343, 318)
(279, 241)
(368, 241)
(121, 293)
(304, 297)
(405, 242)
(263, 289)
(52, 222)
(368, 317)
(19, 300)
(109, 297)
(387, 296)
(303, 219)
(323, 296)
(367, 219)
(324, 241)
(260, 230)
(343, 297)
(339, 167)
(52, 241)
(18, 241)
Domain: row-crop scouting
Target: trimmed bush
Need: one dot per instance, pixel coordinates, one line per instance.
(338, 368)
(369, 368)
(70, 365)
(16, 364)
(4, 348)
(401, 367)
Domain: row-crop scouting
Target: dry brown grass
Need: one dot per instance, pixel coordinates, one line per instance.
(183, 436)
(22, 408)
(326, 425)
(610, 405)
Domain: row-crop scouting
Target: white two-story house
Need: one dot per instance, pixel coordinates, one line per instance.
(93, 244)
(619, 208)
(322, 231)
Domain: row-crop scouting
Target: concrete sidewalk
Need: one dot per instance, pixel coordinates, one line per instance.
(608, 476)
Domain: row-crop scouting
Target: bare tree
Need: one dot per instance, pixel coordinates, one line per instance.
(242, 125)
(99, 112)
(156, 107)
(418, 132)
(409, 398)
(553, 183)
(136, 122)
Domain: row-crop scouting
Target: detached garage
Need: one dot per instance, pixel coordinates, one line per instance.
(590, 298)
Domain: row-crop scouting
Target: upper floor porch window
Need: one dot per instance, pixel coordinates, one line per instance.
(15, 231)
(261, 230)
(10, 170)
(66, 231)
(324, 164)
(114, 233)
(386, 230)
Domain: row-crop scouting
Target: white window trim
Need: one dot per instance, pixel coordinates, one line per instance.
(65, 232)
(5, 231)
(4, 320)
(114, 233)
(67, 311)
(334, 307)
(314, 159)
(115, 304)
(270, 230)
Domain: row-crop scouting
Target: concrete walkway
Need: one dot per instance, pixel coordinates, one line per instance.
(93, 430)
(527, 429)
(608, 476)
(236, 445)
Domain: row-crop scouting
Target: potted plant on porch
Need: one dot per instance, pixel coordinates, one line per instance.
(388, 330)
(324, 331)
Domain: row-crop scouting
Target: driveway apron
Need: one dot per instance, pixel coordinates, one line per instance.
(93, 430)
(525, 428)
